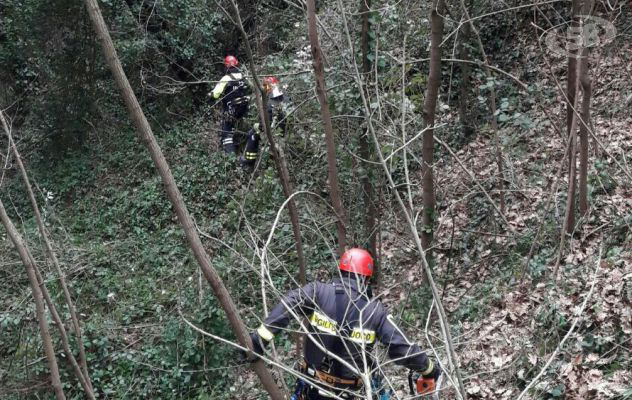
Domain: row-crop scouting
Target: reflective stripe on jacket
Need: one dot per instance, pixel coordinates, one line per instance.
(364, 321)
(231, 88)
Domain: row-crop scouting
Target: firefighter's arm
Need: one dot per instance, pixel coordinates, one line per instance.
(400, 349)
(295, 302)
(219, 88)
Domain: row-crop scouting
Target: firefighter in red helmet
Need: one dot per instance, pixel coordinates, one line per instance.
(232, 91)
(276, 115)
(345, 323)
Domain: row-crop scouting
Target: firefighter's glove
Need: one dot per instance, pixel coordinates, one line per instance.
(260, 340)
(432, 372)
(258, 344)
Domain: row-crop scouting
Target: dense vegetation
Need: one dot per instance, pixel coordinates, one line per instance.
(132, 275)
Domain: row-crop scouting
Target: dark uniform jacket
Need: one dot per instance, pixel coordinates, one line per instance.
(232, 89)
(338, 307)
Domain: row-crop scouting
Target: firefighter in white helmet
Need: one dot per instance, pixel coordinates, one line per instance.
(276, 116)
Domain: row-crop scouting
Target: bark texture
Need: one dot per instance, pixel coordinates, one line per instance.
(583, 137)
(430, 105)
(571, 94)
(321, 91)
(572, 181)
(175, 197)
(586, 86)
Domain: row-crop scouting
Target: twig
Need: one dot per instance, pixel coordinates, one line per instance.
(413, 229)
(471, 175)
(570, 331)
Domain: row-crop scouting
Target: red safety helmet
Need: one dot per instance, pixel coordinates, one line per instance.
(358, 261)
(269, 82)
(230, 61)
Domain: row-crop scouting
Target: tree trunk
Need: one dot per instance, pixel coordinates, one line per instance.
(586, 86)
(571, 93)
(367, 187)
(81, 373)
(572, 151)
(47, 342)
(464, 90)
(332, 174)
(277, 152)
(430, 105)
(147, 136)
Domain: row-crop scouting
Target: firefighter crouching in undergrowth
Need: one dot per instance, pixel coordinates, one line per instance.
(232, 89)
(276, 116)
(344, 320)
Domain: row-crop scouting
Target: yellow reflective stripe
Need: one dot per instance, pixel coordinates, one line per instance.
(323, 323)
(265, 333)
(221, 85)
(251, 156)
(429, 369)
(359, 335)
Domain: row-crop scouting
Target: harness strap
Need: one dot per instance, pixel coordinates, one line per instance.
(343, 327)
(341, 302)
(342, 383)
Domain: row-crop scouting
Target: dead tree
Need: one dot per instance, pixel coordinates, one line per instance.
(40, 312)
(430, 105)
(321, 91)
(175, 197)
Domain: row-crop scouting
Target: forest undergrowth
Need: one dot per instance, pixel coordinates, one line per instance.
(134, 278)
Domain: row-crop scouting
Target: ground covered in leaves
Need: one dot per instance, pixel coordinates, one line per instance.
(506, 305)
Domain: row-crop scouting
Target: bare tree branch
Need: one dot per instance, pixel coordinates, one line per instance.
(175, 197)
